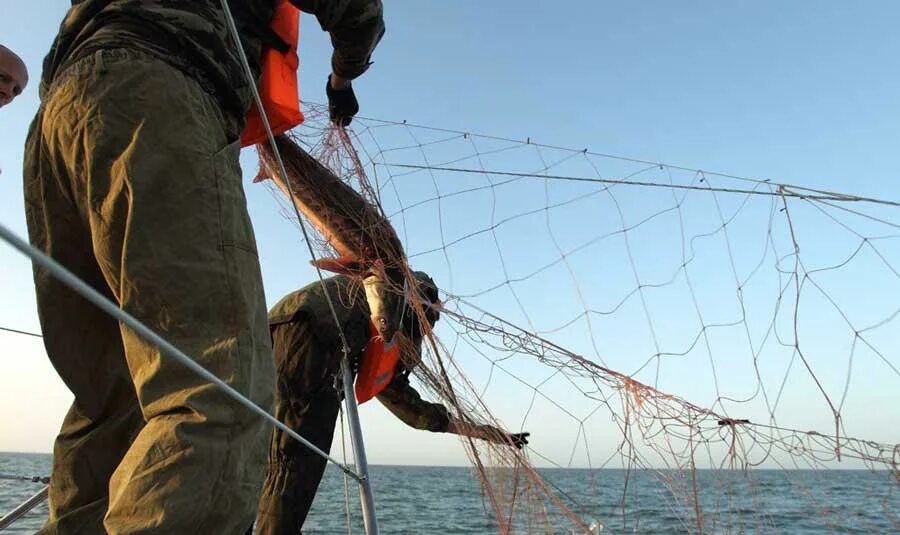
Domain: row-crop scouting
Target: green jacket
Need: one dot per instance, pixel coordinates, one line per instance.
(192, 36)
(309, 305)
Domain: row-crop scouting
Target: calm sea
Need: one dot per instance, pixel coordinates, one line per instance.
(448, 500)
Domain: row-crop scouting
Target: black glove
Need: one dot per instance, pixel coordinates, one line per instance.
(519, 440)
(342, 104)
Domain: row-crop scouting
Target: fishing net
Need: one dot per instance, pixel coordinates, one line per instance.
(691, 350)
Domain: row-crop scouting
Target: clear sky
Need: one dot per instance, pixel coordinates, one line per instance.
(802, 92)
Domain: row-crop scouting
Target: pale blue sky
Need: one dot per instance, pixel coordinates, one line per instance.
(801, 92)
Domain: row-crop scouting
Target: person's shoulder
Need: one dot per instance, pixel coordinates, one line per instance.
(285, 309)
(311, 296)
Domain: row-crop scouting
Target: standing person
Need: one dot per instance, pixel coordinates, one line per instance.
(307, 347)
(13, 76)
(132, 182)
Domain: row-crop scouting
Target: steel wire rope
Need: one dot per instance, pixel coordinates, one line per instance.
(529, 141)
(788, 191)
(17, 331)
(106, 305)
(24, 508)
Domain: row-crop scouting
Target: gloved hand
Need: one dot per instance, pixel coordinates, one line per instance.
(519, 440)
(342, 104)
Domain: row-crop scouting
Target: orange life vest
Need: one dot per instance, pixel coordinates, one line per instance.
(278, 81)
(379, 362)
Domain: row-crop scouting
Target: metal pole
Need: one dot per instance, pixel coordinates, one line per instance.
(79, 286)
(359, 451)
(23, 509)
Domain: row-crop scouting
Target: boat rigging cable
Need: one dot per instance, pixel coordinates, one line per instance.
(103, 303)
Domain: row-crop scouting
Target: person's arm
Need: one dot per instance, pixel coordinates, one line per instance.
(406, 404)
(488, 432)
(356, 27)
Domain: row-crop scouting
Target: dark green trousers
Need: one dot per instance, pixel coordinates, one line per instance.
(132, 182)
(307, 401)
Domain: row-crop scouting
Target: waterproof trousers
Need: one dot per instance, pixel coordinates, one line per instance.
(132, 182)
(308, 402)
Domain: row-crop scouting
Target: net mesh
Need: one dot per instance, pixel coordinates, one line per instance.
(686, 347)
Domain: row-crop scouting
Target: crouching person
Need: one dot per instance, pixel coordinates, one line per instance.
(308, 352)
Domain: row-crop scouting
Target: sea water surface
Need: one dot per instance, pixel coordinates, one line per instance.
(414, 499)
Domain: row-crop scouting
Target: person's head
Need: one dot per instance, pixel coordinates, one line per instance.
(13, 76)
(424, 294)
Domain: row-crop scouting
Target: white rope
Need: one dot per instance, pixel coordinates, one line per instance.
(72, 281)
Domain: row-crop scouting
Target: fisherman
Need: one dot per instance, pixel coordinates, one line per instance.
(13, 76)
(308, 353)
(132, 182)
